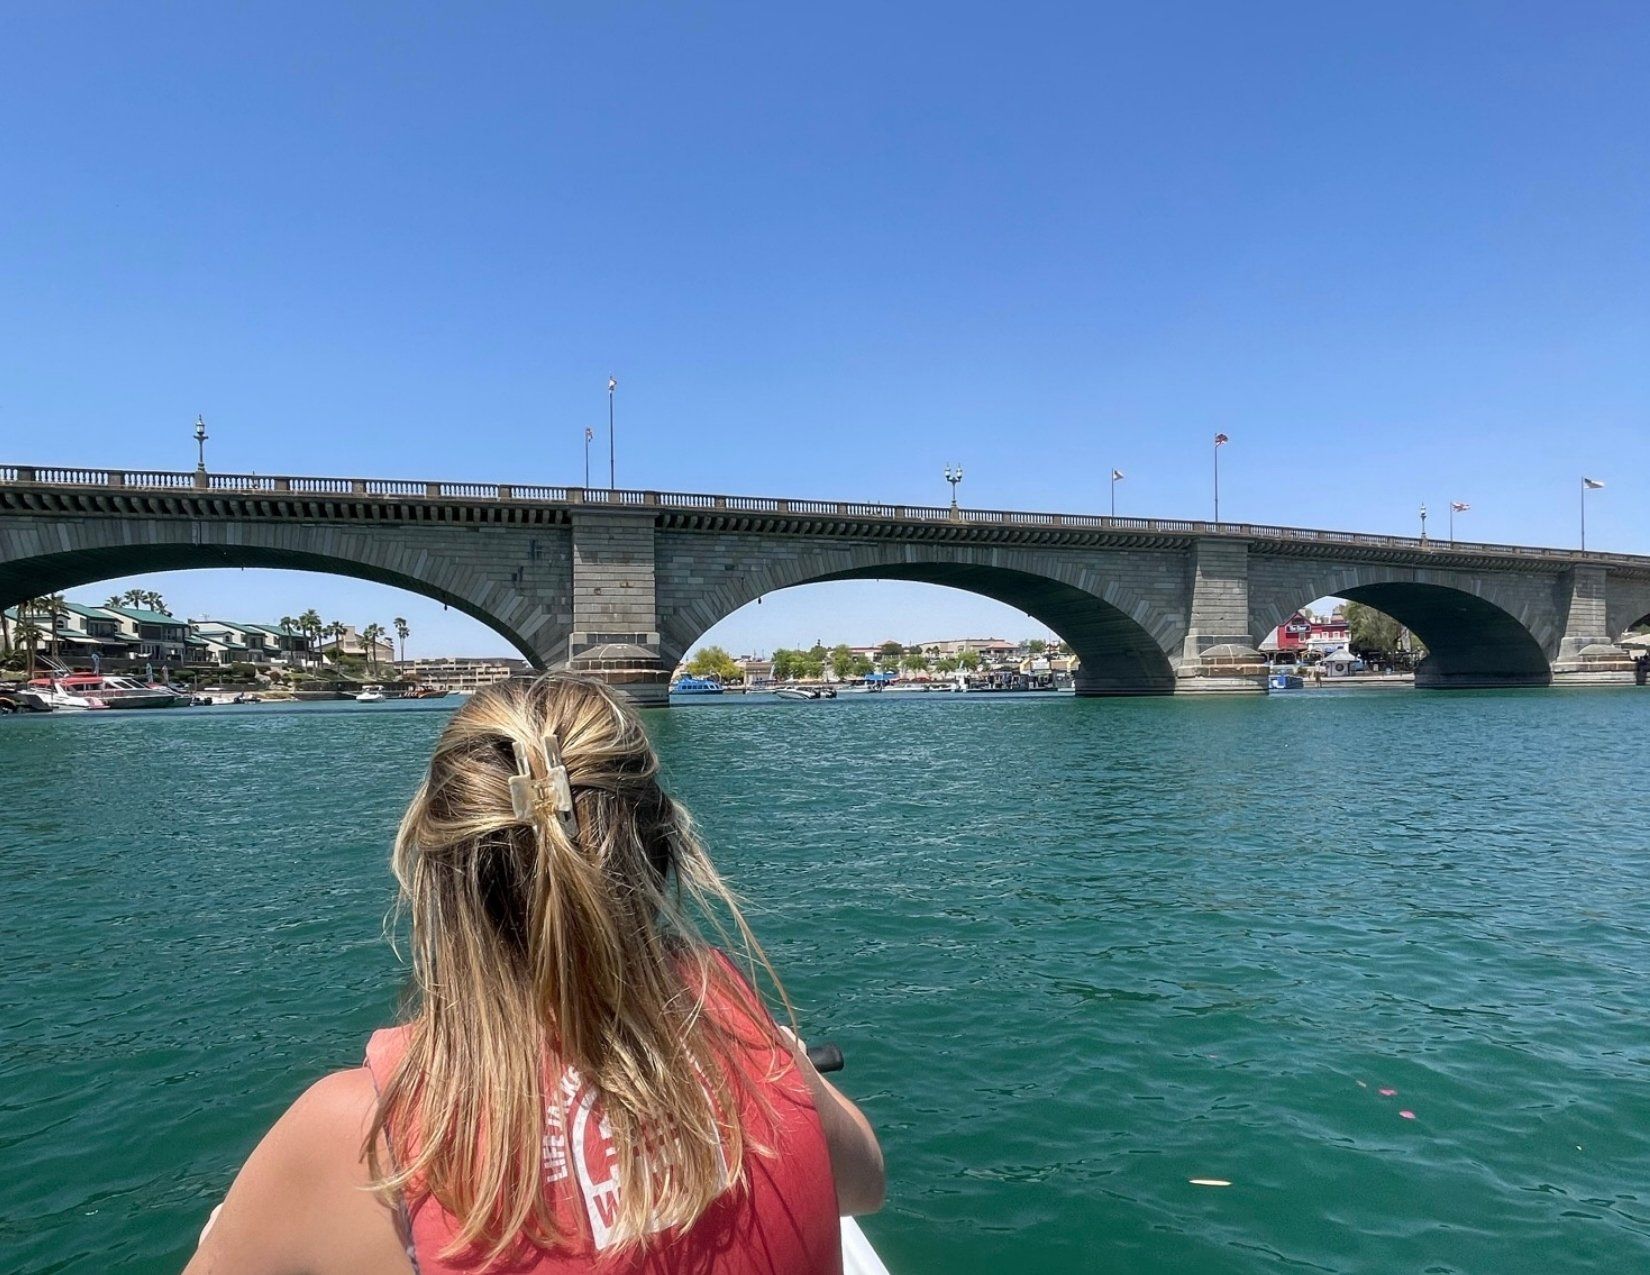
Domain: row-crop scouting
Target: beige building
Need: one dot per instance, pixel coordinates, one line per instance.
(352, 643)
(458, 673)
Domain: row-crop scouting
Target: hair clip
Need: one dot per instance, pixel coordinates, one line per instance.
(529, 796)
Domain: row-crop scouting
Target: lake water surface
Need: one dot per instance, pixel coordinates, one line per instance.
(1077, 952)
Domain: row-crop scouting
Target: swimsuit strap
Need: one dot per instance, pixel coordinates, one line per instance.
(403, 1219)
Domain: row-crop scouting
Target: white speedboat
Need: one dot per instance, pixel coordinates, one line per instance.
(370, 695)
(805, 692)
(102, 691)
(54, 697)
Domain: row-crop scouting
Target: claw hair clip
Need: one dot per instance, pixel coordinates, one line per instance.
(530, 798)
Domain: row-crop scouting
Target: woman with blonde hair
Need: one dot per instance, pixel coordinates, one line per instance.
(582, 1082)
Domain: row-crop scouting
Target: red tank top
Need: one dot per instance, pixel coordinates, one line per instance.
(784, 1219)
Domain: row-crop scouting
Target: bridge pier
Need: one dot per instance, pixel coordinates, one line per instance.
(615, 606)
(1587, 653)
(1218, 656)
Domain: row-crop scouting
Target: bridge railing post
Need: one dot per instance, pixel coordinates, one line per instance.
(358, 486)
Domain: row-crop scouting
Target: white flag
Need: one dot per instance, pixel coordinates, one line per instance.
(1591, 484)
(1460, 506)
(1116, 474)
(612, 384)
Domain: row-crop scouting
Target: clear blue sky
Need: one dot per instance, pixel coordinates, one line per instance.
(1397, 253)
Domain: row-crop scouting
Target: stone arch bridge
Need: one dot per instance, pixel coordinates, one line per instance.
(622, 583)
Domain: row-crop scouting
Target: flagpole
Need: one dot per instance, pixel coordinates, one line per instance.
(1114, 493)
(1217, 482)
(1452, 524)
(1583, 515)
(612, 481)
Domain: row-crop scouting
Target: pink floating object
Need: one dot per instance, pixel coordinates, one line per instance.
(1387, 1093)
(1407, 1115)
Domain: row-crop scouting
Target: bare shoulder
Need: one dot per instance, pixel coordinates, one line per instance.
(341, 1103)
(296, 1203)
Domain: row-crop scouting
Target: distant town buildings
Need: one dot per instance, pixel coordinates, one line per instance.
(940, 659)
(460, 674)
(992, 648)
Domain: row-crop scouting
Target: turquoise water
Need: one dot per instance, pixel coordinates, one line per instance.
(1077, 952)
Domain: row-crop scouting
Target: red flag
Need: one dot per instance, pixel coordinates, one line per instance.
(1221, 440)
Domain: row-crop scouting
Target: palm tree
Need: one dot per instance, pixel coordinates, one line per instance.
(55, 604)
(155, 602)
(336, 631)
(370, 636)
(402, 631)
(5, 632)
(133, 597)
(119, 600)
(310, 623)
(28, 634)
(289, 626)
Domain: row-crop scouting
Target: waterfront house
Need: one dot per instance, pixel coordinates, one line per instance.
(160, 640)
(353, 644)
(1302, 635)
(757, 671)
(77, 632)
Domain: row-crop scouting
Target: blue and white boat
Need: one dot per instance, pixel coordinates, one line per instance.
(1284, 680)
(696, 686)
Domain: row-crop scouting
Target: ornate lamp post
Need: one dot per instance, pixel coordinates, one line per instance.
(1423, 522)
(200, 452)
(612, 468)
(953, 475)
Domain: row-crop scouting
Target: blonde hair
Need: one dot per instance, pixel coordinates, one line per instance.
(570, 941)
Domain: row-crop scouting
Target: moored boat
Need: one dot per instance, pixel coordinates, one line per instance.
(1284, 680)
(370, 695)
(696, 686)
(106, 692)
(53, 698)
(805, 692)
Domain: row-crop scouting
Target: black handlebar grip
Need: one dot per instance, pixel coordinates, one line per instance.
(825, 1056)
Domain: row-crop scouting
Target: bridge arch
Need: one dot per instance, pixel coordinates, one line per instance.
(1121, 635)
(105, 549)
(1478, 632)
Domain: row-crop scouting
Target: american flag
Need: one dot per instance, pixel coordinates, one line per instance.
(1221, 440)
(1116, 474)
(589, 434)
(612, 384)
(1591, 484)
(1460, 506)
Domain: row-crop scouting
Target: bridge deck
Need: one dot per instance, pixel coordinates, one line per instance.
(366, 498)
